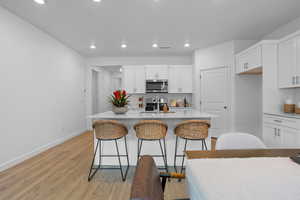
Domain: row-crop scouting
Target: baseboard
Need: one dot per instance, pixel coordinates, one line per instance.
(39, 150)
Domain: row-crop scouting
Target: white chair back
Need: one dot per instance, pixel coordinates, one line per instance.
(239, 141)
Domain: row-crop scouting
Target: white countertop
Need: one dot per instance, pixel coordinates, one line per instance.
(282, 114)
(135, 114)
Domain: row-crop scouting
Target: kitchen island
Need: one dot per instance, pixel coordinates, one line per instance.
(132, 117)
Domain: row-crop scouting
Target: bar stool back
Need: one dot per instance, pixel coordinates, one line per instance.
(152, 130)
(108, 130)
(190, 130)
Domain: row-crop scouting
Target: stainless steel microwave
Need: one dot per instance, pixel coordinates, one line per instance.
(156, 86)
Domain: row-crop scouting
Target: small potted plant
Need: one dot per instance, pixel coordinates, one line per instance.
(119, 101)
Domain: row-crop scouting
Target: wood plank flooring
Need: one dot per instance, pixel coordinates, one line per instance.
(61, 173)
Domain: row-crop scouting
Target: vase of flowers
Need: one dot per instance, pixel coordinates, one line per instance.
(119, 101)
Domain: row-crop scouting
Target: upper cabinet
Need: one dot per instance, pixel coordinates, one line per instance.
(249, 61)
(180, 79)
(289, 63)
(134, 79)
(156, 72)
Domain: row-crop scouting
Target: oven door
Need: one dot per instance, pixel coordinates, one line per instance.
(158, 86)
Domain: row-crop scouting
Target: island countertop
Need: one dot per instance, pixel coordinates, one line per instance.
(137, 114)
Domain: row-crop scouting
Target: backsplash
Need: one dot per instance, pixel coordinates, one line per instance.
(293, 93)
(134, 99)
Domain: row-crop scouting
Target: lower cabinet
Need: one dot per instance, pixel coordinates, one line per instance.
(279, 132)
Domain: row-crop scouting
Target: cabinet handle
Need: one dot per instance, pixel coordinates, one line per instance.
(278, 121)
(278, 132)
(275, 131)
(246, 66)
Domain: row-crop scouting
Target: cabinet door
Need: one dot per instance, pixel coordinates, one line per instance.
(173, 80)
(186, 81)
(287, 63)
(140, 79)
(270, 136)
(180, 79)
(242, 63)
(156, 72)
(290, 138)
(129, 79)
(298, 63)
(254, 58)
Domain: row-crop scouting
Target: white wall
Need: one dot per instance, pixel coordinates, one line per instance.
(284, 30)
(42, 86)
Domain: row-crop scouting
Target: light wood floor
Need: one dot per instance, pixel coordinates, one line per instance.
(61, 173)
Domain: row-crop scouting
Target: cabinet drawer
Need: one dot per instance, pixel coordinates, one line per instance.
(282, 121)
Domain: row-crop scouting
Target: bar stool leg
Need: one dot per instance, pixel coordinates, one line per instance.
(126, 149)
(205, 144)
(140, 143)
(166, 156)
(175, 156)
(183, 156)
(202, 145)
(118, 154)
(90, 173)
(163, 155)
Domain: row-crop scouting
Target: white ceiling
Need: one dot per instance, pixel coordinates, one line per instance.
(139, 23)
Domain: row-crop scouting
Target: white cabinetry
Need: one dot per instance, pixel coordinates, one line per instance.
(134, 79)
(156, 72)
(180, 79)
(289, 63)
(281, 132)
(249, 60)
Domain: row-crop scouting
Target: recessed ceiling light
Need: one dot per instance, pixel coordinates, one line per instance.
(97, 1)
(92, 46)
(42, 2)
(154, 45)
(186, 45)
(124, 46)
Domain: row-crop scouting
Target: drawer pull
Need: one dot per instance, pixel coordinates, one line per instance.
(278, 121)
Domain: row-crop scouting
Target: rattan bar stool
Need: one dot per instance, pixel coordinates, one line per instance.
(152, 130)
(190, 130)
(109, 130)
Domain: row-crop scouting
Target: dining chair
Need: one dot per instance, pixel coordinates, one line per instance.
(239, 141)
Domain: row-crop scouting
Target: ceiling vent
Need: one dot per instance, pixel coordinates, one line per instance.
(165, 47)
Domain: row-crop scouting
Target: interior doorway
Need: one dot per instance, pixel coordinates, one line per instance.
(214, 95)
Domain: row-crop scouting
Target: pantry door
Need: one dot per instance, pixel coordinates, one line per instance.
(214, 94)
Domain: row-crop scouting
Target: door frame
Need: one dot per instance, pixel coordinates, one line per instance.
(228, 96)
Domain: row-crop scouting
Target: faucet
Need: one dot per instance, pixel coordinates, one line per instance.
(157, 103)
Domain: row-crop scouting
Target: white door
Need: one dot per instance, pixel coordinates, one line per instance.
(214, 97)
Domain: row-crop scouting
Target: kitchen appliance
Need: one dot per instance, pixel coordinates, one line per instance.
(157, 86)
(153, 103)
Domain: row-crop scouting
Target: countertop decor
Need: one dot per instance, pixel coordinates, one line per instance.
(119, 100)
